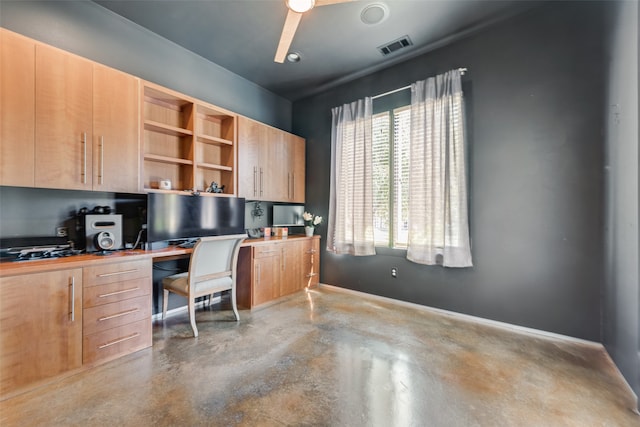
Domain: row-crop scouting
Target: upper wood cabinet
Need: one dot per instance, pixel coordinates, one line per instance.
(188, 142)
(270, 163)
(116, 141)
(66, 122)
(17, 106)
(64, 102)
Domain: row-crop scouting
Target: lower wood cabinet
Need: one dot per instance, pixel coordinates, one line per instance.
(56, 321)
(270, 269)
(40, 327)
(116, 309)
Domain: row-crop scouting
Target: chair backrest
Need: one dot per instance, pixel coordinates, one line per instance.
(215, 254)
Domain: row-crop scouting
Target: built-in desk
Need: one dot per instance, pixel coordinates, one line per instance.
(86, 309)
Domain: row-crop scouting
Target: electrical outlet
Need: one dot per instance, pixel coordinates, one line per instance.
(394, 272)
(62, 231)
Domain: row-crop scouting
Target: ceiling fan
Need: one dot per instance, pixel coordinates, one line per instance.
(296, 9)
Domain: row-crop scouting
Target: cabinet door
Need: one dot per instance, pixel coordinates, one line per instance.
(250, 137)
(17, 103)
(292, 278)
(275, 166)
(295, 168)
(266, 273)
(63, 120)
(40, 326)
(116, 163)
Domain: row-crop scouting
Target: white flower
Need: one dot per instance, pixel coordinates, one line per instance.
(311, 220)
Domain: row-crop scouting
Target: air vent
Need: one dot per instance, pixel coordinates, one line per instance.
(395, 45)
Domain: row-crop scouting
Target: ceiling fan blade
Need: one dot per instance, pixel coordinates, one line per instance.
(329, 2)
(288, 31)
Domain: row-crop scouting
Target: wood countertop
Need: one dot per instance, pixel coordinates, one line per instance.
(12, 268)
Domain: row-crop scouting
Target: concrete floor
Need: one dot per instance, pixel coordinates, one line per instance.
(332, 358)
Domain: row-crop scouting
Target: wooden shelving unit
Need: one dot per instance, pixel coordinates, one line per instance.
(187, 141)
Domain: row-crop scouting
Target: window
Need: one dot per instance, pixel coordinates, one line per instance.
(390, 153)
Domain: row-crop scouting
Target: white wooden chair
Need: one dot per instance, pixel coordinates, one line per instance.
(212, 268)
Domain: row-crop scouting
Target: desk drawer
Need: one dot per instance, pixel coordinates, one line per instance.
(114, 292)
(116, 272)
(116, 341)
(265, 251)
(107, 316)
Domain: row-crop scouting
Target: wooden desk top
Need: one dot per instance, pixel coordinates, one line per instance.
(10, 268)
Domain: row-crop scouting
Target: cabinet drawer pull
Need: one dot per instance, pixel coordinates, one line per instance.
(261, 182)
(84, 157)
(255, 181)
(119, 340)
(311, 251)
(72, 312)
(101, 176)
(113, 316)
(118, 292)
(312, 274)
(117, 273)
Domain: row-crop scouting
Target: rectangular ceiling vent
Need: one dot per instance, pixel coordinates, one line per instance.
(395, 45)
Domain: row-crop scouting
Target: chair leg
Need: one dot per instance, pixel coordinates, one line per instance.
(165, 303)
(233, 303)
(192, 316)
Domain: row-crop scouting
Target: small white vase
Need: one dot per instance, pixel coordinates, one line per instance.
(308, 231)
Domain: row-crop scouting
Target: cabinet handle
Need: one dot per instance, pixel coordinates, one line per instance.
(258, 275)
(261, 181)
(84, 155)
(312, 274)
(293, 186)
(72, 294)
(311, 251)
(113, 316)
(118, 292)
(101, 176)
(116, 273)
(119, 340)
(255, 181)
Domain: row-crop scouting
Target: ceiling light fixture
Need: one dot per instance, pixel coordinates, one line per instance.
(300, 6)
(293, 57)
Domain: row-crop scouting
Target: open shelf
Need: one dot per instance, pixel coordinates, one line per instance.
(165, 159)
(206, 139)
(215, 167)
(166, 129)
(187, 141)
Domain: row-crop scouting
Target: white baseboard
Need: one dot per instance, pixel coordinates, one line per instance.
(495, 323)
(469, 317)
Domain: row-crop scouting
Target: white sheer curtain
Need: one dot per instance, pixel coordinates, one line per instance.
(350, 227)
(438, 219)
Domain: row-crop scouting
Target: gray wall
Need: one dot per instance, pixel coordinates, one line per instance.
(621, 329)
(89, 30)
(535, 97)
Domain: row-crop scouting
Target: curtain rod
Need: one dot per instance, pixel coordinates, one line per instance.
(462, 71)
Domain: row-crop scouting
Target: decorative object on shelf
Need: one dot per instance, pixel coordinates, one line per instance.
(310, 222)
(214, 188)
(165, 184)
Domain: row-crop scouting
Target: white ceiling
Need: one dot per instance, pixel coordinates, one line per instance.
(242, 35)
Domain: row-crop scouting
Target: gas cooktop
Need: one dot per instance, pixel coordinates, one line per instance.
(25, 249)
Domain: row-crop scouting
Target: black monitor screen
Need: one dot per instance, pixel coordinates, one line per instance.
(173, 216)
